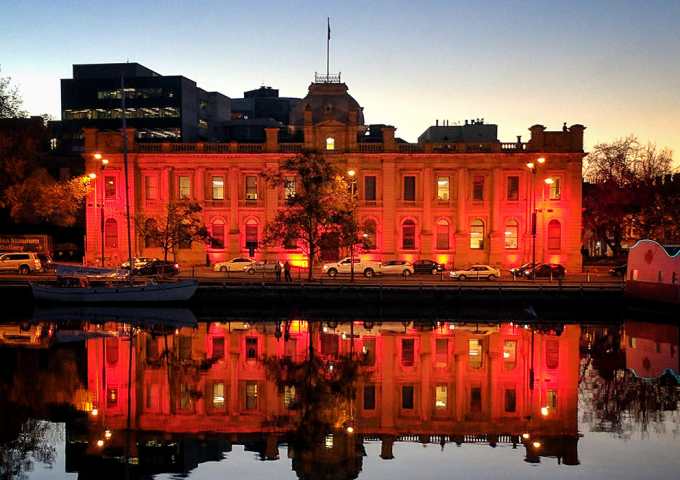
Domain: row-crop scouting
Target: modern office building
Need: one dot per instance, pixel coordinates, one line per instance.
(459, 196)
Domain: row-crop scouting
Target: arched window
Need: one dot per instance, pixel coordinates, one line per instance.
(330, 143)
(477, 234)
(408, 241)
(217, 234)
(443, 235)
(370, 230)
(111, 233)
(150, 229)
(511, 234)
(554, 235)
(251, 234)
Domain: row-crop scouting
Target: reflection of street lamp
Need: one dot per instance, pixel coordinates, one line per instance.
(353, 180)
(93, 178)
(533, 167)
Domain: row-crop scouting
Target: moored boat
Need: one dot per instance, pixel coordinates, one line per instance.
(151, 292)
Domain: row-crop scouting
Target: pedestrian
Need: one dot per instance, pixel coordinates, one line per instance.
(286, 270)
(277, 270)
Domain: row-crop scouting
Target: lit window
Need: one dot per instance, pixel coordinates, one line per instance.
(251, 188)
(330, 143)
(289, 397)
(551, 398)
(408, 352)
(511, 234)
(110, 187)
(218, 188)
(513, 188)
(475, 352)
(184, 187)
(409, 235)
(477, 234)
(443, 188)
(441, 397)
(554, 235)
(442, 235)
(556, 188)
(289, 187)
(218, 396)
(510, 354)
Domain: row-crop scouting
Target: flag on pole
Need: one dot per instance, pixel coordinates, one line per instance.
(329, 28)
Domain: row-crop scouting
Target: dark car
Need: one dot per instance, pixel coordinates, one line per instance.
(552, 270)
(157, 267)
(621, 270)
(427, 266)
(519, 271)
(45, 261)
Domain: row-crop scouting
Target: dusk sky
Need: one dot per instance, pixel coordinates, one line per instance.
(611, 65)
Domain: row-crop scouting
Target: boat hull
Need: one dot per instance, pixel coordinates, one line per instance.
(162, 292)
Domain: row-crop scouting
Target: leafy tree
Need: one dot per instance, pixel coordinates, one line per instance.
(621, 180)
(10, 101)
(319, 209)
(180, 224)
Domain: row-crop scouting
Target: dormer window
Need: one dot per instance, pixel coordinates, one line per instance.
(330, 143)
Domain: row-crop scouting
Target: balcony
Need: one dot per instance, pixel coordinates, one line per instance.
(250, 203)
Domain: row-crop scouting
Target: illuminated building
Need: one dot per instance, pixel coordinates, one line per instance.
(459, 196)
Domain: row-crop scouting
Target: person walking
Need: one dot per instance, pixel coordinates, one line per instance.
(277, 270)
(286, 270)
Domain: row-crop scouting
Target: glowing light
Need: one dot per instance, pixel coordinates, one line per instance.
(351, 173)
(549, 181)
(105, 162)
(107, 434)
(530, 165)
(100, 443)
(541, 160)
(92, 176)
(544, 411)
(350, 429)
(526, 435)
(95, 412)
(537, 445)
(97, 156)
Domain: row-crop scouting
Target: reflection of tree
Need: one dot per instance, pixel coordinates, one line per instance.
(35, 443)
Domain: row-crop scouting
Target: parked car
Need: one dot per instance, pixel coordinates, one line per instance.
(552, 270)
(396, 267)
(157, 267)
(364, 267)
(21, 262)
(427, 266)
(138, 262)
(234, 265)
(266, 266)
(519, 271)
(45, 261)
(476, 272)
(621, 270)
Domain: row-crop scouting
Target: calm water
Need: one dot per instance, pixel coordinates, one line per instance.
(101, 393)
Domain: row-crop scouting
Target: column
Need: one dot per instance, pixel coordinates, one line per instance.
(390, 233)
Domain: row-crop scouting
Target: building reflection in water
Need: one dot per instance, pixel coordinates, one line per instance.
(323, 389)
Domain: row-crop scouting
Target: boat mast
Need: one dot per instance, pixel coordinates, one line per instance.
(127, 187)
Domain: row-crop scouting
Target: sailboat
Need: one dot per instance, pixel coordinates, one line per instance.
(83, 291)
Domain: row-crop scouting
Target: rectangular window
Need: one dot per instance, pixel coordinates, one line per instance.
(289, 397)
(185, 396)
(151, 349)
(218, 396)
(551, 398)
(369, 397)
(478, 187)
(441, 352)
(409, 188)
(513, 188)
(408, 352)
(476, 399)
(251, 396)
(475, 352)
(510, 400)
(368, 351)
(289, 187)
(443, 188)
(184, 347)
(510, 354)
(251, 188)
(369, 188)
(407, 397)
(290, 348)
(441, 397)
(151, 187)
(110, 187)
(111, 396)
(112, 351)
(556, 188)
(552, 354)
(218, 348)
(218, 188)
(184, 187)
(251, 349)
(443, 236)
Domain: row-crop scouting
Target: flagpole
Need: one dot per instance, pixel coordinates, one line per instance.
(328, 50)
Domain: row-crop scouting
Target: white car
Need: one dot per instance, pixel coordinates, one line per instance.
(396, 267)
(237, 264)
(476, 272)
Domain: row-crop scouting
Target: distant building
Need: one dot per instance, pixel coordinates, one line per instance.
(653, 272)
(458, 196)
(159, 108)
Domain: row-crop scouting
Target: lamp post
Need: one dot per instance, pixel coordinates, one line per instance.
(353, 181)
(533, 167)
(93, 179)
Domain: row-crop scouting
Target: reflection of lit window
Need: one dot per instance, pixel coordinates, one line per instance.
(475, 352)
(510, 354)
(251, 396)
(330, 143)
(510, 400)
(289, 397)
(554, 234)
(110, 188)
(112, 396)
(513, 188)
(552, 354)
(218, 348)
(217, 240)
(441, 352)
(369, 397)
(478, 188)
(368, 351)
(185, 396)
(218, 396)
(551, 398)
(408, 352)
(329, 441)
(441, 397)
(477, 234)
(251, 349)
(443, 188)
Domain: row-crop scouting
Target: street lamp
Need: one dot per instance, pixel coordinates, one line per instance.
(353, 183)
(533, 167)
(93, 178)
